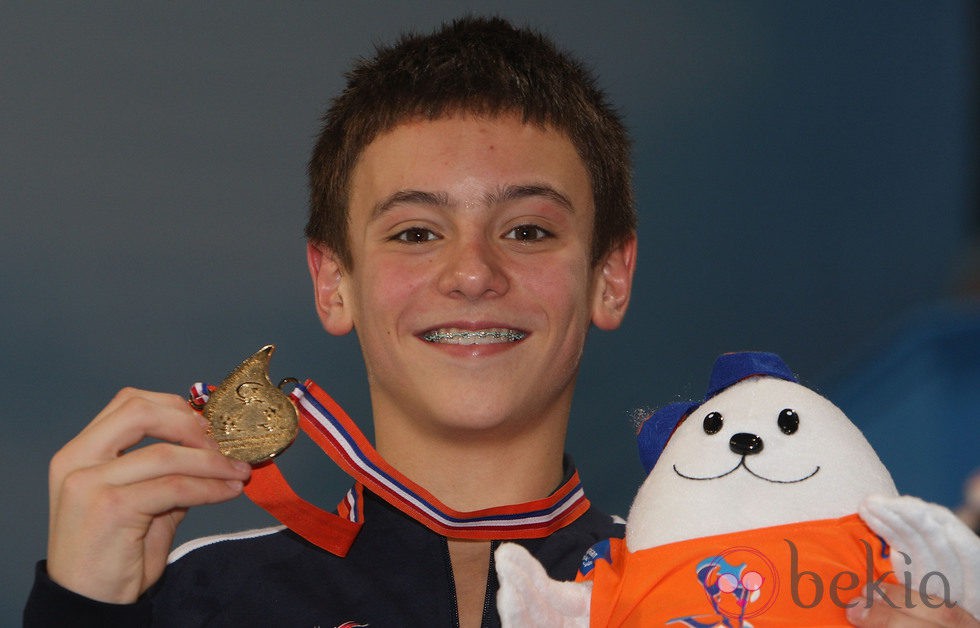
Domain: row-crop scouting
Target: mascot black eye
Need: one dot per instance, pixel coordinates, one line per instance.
(712, 423)
(788, 421)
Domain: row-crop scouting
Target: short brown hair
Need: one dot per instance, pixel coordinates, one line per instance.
(483, 66)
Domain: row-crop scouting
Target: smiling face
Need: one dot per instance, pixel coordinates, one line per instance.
(763, 452)
(471, 289)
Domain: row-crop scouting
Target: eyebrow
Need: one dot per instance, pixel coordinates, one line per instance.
(503, 195)
(410, 197)
(518, 192)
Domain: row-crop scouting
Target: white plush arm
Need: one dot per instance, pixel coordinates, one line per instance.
(528, 597)
(934, 540)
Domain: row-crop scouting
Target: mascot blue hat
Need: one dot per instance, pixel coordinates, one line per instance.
(729, 369)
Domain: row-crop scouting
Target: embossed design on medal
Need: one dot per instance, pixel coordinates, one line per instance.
(249, 417)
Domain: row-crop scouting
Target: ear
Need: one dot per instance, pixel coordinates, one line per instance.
(613, 285)
(328, 289)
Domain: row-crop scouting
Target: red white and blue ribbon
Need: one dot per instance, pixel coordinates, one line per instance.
(328, 425)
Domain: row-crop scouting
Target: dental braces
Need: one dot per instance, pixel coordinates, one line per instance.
(509, 335)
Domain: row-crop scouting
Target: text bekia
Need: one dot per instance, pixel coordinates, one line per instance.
(807, 587)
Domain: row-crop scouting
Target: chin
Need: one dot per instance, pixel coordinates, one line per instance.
(476, 422)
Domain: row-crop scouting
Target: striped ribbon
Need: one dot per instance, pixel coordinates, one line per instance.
(328, 425)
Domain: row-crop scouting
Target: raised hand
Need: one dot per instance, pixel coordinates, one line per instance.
(115, 509)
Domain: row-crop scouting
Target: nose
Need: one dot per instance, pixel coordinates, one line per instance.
(473, 269)
(745, 444)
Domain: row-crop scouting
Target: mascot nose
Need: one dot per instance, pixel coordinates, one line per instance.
(745, 444)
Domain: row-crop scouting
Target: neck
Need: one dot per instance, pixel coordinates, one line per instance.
(473, 470)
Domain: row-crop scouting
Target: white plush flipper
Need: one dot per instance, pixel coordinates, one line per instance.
(528, 597)
(934, 540)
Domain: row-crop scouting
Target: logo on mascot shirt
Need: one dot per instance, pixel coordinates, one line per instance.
(740, 583)
(600, 551)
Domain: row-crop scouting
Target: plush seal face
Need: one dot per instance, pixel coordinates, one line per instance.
(763, 452)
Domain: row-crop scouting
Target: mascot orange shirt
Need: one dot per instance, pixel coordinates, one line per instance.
(789, 575)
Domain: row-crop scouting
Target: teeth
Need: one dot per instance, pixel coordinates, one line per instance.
(475, 337)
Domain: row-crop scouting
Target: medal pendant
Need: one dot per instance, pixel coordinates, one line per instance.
(250, 418)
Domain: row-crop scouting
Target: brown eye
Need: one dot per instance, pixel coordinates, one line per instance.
(415, 235)
(527, 233)
(712, 423)
(788, 421)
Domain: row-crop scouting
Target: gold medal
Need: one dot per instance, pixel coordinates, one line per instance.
(251, 419)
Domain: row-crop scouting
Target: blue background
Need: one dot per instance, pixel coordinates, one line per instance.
(806, 177)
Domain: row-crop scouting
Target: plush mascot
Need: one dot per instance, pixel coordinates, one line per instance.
(763, 506)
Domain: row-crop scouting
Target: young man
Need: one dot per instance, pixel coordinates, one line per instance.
(471, 217)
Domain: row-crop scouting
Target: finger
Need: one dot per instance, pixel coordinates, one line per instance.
(133, 419)
(91, 488)
(125, 394)
(164, 494)
(111, 509)
(163, 459)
